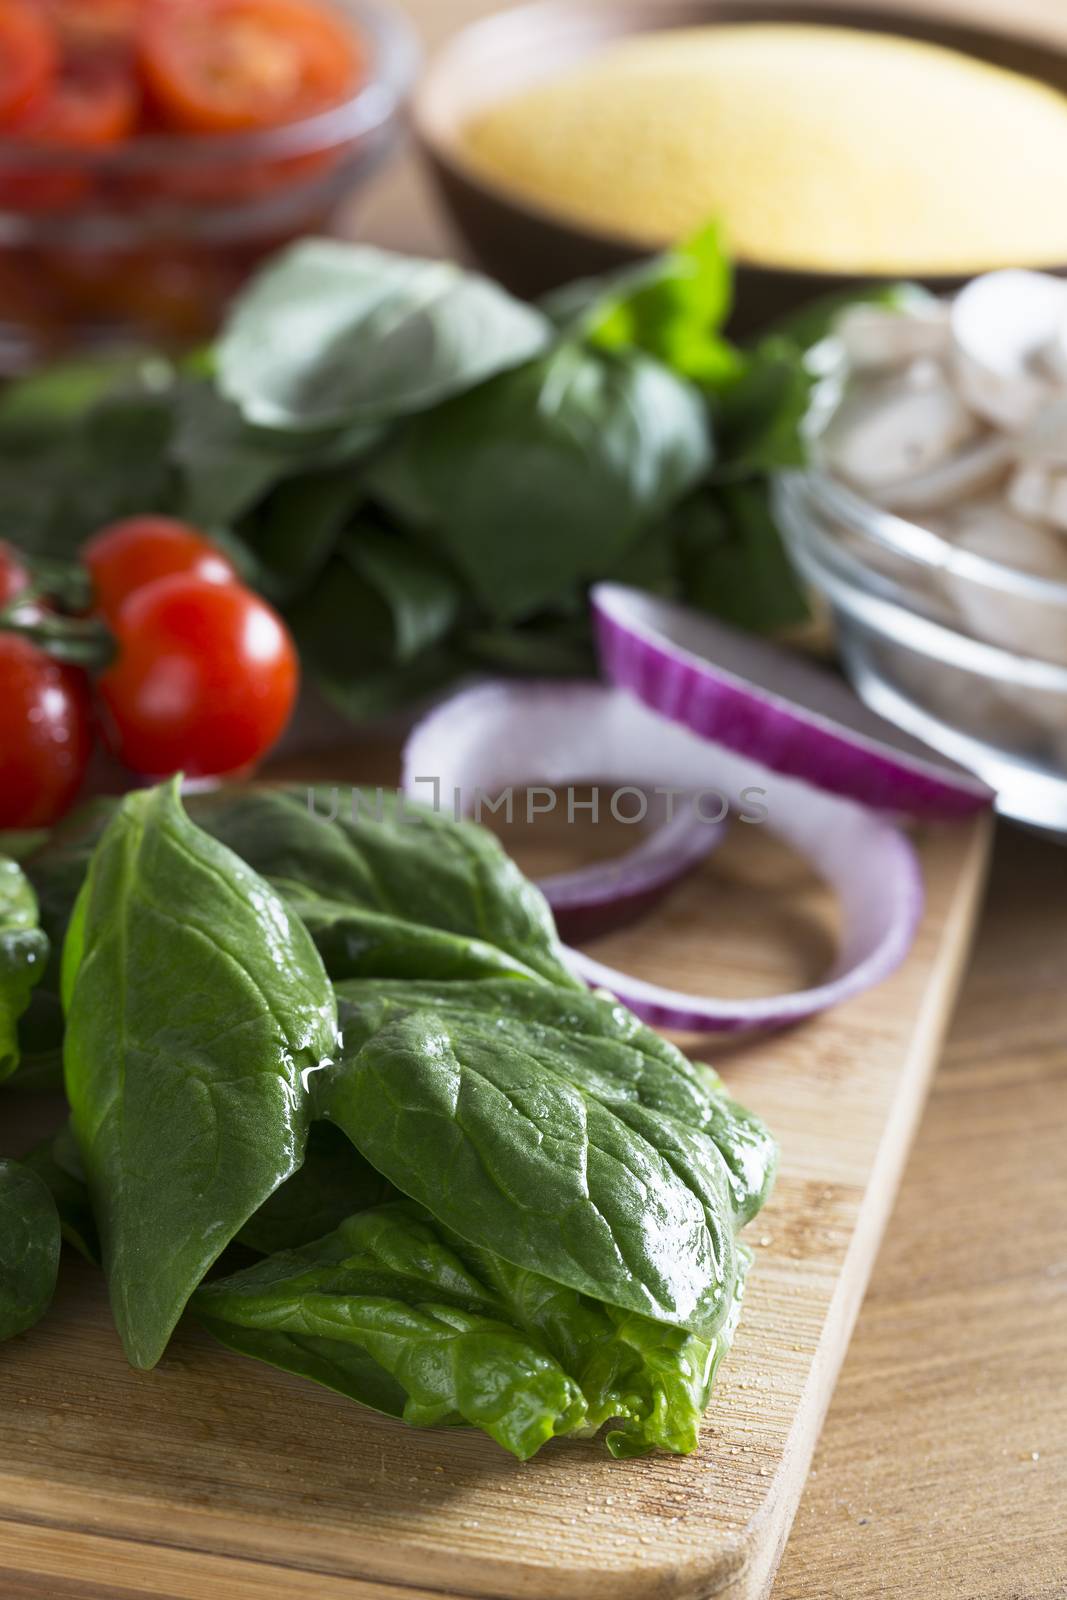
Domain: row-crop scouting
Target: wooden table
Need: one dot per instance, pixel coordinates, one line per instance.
(942, 1469)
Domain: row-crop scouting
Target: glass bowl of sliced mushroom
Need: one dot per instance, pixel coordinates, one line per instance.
(934, 519)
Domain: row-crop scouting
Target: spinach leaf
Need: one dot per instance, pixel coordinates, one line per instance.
(29, 1248)
(380, 881)
(71, 1196)
(196, 1004)
(333, 1184)
(539, 1145)
(653, 1381)
(385, 887)
(332, 333)
(546, 475)
(385, 1284)
(23, 957)
(610, 1054)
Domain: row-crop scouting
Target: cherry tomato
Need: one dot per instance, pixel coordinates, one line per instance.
(45, 734)
(205, 679)
(95, 26)
(14, 577)
(224, 66)
(27, 57)
(129, 555)
(91, 103)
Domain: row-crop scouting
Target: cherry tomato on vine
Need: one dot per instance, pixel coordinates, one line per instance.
(28, 57)
(45, 734)
(204, 682)
(224, 66)
(129, 555)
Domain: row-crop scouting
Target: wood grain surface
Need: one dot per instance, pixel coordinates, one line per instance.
(216, 1475)
(942, 1468)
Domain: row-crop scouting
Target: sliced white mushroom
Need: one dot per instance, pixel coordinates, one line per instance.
(1025, 625)
(894, 427)
(1044, 439)
(1040, 493)
(1052, 357)
(876, 337)
(1000, 324)
(973, 470)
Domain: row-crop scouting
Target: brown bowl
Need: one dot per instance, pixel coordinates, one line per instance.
(531, 250)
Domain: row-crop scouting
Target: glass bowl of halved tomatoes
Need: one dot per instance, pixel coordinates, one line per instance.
(152, 152)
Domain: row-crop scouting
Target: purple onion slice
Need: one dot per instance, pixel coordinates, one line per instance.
(772, 705)
(505, 734)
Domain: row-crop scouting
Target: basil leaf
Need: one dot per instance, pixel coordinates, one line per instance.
(332, 333)
(537, 1145)
(29, 1248)
(227, 466)
(380, 601)
(545, 476)
(673, 307)
(23, 957)
(732, 561)
(806, 327)
(195, 1005)
(760, 415)
(298, 527)
(385, 1284)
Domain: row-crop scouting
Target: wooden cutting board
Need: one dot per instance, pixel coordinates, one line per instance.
(217, 1477)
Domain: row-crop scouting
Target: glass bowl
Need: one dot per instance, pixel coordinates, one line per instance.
(148, 240)
(963, 652)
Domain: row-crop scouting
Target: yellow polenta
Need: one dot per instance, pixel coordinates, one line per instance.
(815, 147)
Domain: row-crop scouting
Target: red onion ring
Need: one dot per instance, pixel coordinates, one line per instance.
(595, 900)
(505, 734)
(768, 703)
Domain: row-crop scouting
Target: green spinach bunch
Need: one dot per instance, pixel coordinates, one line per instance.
(334, 1092)
(424, 473)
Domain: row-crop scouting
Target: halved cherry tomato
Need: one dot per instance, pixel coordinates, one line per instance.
(14, 577)
(93, 26)
(45, 734)
(223, 66)
(91, 104)
(129, 555)
(28, 57)
(205, 679)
